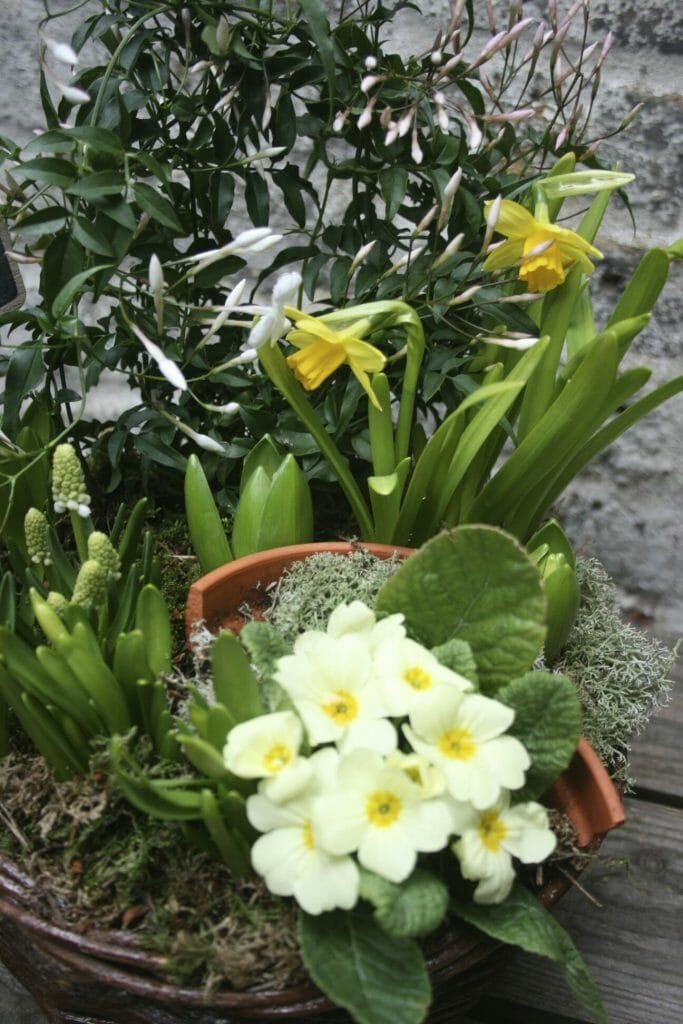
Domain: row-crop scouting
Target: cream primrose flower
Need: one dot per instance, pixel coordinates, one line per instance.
(490, 838)
(461, 733)
(379, 812)
(267, 747)
(329, 679)
(288, 855)
(431, 780)
(356, 619)
(407, 672)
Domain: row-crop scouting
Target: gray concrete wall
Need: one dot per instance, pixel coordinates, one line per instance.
(626, 507)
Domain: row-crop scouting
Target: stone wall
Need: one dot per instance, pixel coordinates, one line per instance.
(625, 508)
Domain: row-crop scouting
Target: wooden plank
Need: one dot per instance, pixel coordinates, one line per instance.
(657, 755)
(633, 945)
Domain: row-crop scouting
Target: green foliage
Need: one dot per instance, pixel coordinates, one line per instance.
(165, 154)
(548, 723)
(414, 908)
(274, 507)
(522, 921)
(379, 978)
(475, 584)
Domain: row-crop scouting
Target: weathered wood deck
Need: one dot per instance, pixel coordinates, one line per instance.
(632, 942)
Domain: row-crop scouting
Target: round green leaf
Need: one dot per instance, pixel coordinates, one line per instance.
(478, 584)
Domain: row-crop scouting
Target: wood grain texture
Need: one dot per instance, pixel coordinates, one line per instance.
(657, 755)
(633, 945)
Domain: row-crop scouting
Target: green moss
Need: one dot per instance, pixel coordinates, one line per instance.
(621, 672)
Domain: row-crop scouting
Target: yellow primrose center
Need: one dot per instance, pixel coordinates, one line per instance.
(275, 759)
(542, 271)
(383, 808)
(308, 835)
(417, 677)
(492, 831)
(342, 707)
(457, 743)
(315, 363)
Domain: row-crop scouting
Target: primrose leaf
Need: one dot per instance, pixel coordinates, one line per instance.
(477, 584)
(522, 921)
(379, 979)
(548, 723)
(415, 907)
(265, 646)
(457, 655)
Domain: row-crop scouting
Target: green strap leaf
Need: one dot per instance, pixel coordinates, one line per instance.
(379, 979)
(522, 921)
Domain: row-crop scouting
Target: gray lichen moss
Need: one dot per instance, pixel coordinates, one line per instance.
(620, 672)
(310, 590)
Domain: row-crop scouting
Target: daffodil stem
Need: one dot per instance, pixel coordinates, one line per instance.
(409, 319)
(275, 365)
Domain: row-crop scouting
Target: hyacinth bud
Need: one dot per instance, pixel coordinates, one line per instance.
(68, 483)
(90, 585)
(35, 535)
(555, 558)
(57, 602)
(101, 550)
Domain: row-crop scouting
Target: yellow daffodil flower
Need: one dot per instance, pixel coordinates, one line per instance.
(542, 250)
(322, 351)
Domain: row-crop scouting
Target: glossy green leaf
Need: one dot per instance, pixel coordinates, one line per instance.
(378, 978)
(157, 206)
(522, 921)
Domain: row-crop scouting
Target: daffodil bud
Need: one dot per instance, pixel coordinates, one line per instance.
(275, 506)
(35, 534)
(101, 549)
(90, 584)
(68, 483)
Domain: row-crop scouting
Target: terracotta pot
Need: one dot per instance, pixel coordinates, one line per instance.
(104, 977)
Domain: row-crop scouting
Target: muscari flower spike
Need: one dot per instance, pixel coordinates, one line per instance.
(101, 549)
(57, 602)
(89, 588)
(68, 483)
(35, 534)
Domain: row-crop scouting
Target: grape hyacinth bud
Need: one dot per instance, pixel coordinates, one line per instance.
(35, 534)
(68, 483)
(90, 585)
(57, 602)
(101, 549)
